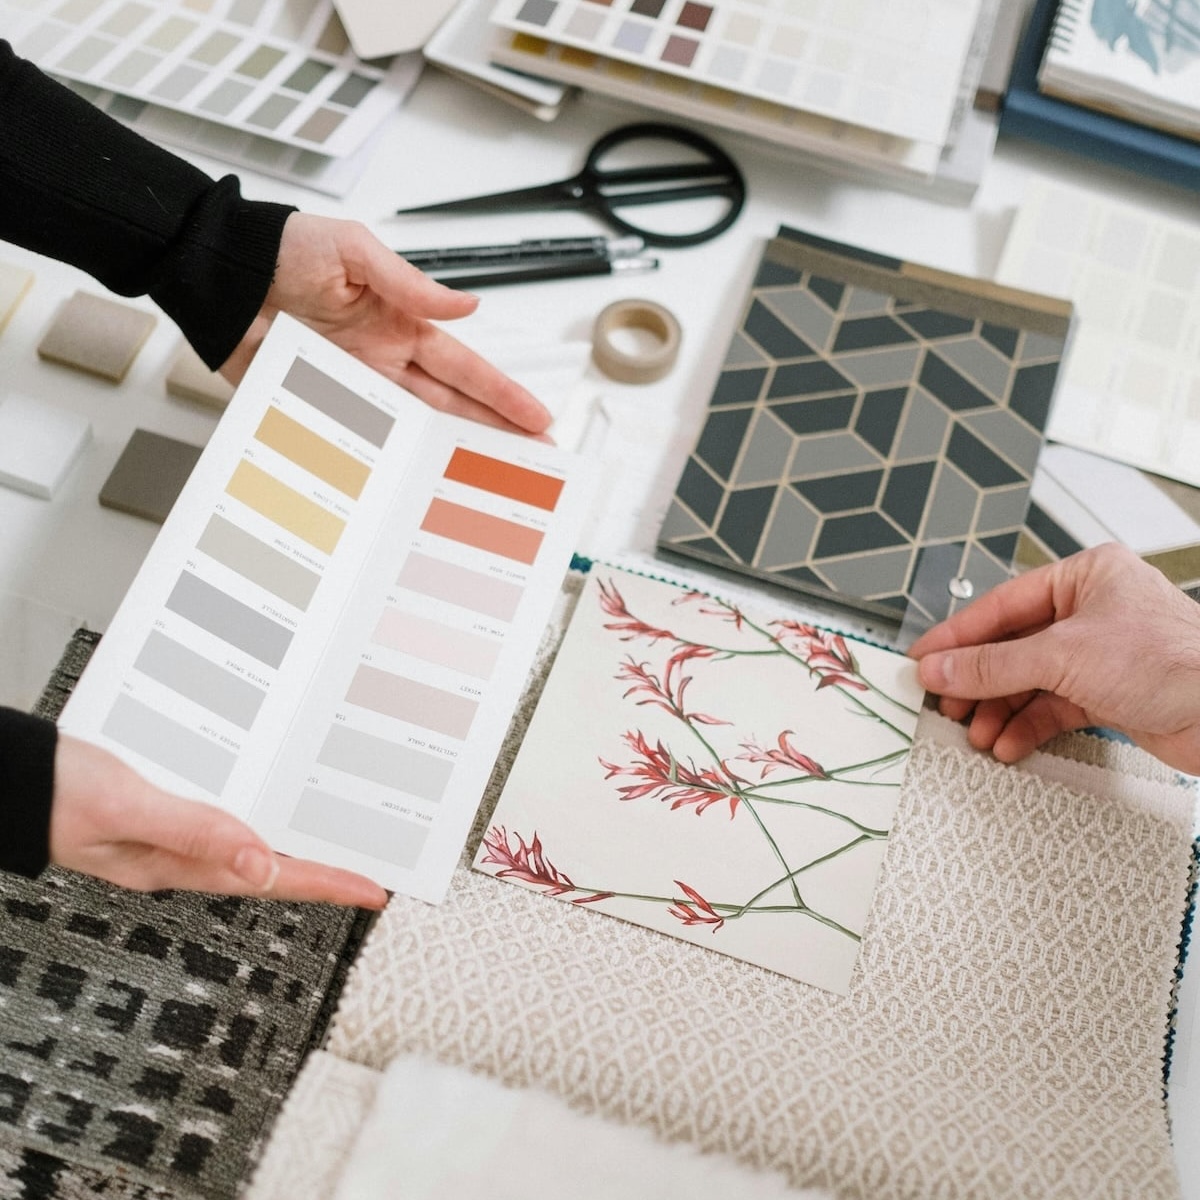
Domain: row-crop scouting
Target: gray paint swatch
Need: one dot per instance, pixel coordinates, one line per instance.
(368, 757)
(271, 569)
(200, 680)
(190, 755)
(390, 839)
(229, 619)
(338, 402)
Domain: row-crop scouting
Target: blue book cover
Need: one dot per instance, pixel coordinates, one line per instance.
(1027, 112)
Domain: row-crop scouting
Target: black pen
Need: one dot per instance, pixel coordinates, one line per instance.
(529, 250)
(553, 270)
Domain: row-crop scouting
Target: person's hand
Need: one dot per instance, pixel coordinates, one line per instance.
(108, 821)
(1099, 638)
(340, 280)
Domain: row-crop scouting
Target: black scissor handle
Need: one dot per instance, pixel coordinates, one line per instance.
(600, 188)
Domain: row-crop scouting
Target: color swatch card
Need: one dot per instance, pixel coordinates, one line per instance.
(278, 68)
(888, 65)
(1131, 381)
(733, 784)
(873, 432)
(333, 626)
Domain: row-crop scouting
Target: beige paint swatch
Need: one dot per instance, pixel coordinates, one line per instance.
(94, 334)
(149, 475)
(190, 379)
(14, 283)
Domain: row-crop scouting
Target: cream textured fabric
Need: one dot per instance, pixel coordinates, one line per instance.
(1003, 1036)
(440, 1133)
(315, 1130)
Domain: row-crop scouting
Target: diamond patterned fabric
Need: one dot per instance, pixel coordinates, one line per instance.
(1004, 1034)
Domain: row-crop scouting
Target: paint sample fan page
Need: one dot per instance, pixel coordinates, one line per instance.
(332, 629)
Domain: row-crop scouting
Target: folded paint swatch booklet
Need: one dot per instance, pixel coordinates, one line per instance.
(332, 629)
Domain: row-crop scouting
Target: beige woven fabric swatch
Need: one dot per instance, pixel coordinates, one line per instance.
(315, 1131)
(1003, 1035)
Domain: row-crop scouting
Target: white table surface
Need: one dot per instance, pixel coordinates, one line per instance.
(68, 561)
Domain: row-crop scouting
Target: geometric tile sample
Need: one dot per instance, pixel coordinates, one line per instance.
(14, 283)
(869, 413)
(97, 335)
(149, 475)
(38, 444)
(190, 379)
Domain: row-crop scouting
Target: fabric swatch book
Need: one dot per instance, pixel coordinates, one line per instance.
(733, 783)
(873, 431)
(330, 632)
(1138, 61)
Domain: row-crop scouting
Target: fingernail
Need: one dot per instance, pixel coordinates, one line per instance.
(257, 867)
(937, 671)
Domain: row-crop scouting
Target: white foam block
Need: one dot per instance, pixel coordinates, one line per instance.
(38, 444)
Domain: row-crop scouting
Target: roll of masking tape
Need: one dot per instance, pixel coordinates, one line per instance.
(643, 364)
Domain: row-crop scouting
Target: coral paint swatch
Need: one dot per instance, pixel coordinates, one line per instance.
(734, 782)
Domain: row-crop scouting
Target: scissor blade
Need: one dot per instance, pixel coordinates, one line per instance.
(546, 195)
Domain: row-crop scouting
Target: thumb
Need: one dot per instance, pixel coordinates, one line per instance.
(206, 835)
(983, 672)
(409, 289)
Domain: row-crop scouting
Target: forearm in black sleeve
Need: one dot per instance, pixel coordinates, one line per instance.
(27, 746)
(77, 186)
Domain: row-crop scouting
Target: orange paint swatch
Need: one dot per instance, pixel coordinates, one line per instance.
(504, 479)
(483, 531)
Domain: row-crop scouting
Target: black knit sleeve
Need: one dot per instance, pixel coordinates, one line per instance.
(27, 746)
(77, 186)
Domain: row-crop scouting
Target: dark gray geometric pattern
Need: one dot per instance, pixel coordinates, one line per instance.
(147, 1041)
(867, 411)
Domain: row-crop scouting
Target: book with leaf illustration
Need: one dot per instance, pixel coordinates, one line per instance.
(1138, 60)
(721, 776)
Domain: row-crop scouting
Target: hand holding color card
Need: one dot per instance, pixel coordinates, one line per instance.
(330, 633)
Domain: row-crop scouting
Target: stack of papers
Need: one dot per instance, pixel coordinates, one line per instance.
(881, 86)
(274, 85)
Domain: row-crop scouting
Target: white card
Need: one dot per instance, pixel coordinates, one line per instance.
(38, 444)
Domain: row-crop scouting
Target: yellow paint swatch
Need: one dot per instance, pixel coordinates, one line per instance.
(309, 450)
(286, 507)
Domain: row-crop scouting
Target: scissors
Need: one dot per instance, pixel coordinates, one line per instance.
(604, 190)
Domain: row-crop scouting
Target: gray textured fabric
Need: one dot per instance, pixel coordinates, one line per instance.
(151, 1039)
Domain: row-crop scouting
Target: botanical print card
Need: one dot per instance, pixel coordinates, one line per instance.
(726, 778)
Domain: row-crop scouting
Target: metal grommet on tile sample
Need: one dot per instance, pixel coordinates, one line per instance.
(642, 366)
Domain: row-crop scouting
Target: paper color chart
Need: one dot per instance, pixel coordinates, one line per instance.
(889, 65)
(281, 69)
(1131, 389)
(332, 629)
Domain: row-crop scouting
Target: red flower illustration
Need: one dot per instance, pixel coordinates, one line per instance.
(664, 777)
(666, 693)
(785, 756)
(626, 624)
(726, 612)
(695, 910)
(825, 654)
(525, 863)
